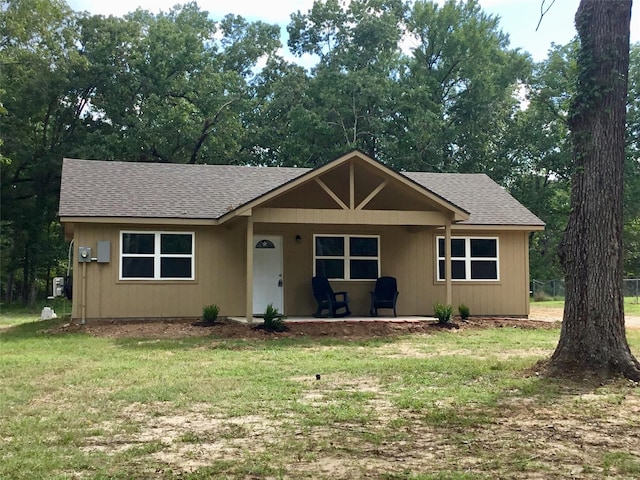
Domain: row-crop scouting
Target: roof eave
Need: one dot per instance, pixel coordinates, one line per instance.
(137, 220)
(493, 226)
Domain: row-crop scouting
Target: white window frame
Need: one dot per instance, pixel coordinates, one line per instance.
(157, 255)
(346, 258)
(468, 259)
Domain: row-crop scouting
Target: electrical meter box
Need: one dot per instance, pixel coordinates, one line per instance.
(84, 254)
(58, 287)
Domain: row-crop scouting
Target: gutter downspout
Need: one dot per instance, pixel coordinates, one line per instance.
(249, 288)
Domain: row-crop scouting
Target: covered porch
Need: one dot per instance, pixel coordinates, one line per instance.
(352, 197)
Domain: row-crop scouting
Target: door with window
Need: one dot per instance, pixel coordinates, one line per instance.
(268, 284)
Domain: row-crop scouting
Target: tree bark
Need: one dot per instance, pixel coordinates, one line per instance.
(10, 287)
(593, 335)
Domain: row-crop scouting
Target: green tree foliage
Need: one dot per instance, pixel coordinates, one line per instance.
(351, 91)
(419, 86)
(458, 89)
(631, 233)
(283, 129)
(175, 85)
(165, 87)
(538, 155)
(43, 96)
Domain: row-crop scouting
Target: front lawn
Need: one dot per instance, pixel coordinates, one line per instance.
(452, 405)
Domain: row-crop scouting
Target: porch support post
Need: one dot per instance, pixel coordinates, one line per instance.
(447, 262)
(249, 299)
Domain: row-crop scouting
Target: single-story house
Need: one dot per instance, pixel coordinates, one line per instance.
(158, 240)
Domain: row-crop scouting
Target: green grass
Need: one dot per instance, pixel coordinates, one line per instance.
(13, 314)
(631, 305)
(453, 405)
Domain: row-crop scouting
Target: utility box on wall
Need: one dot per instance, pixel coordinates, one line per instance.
(58, 287)
(104, 251)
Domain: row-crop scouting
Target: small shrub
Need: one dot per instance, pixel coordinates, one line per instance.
(210, 313)
(541, 296)
(273, 320)
(443, 313)
(464, 311)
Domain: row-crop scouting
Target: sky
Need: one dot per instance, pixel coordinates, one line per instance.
(519, 18)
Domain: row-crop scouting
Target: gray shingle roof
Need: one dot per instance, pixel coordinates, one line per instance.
(92, 188)
(486, 201)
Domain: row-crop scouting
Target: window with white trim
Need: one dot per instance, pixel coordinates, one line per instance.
(472, 258)
(157, 255)
(346, 257)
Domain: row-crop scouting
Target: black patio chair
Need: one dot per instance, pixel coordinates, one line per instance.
(384, 295)
(326, 298)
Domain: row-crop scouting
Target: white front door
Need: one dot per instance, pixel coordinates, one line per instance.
(267, 273)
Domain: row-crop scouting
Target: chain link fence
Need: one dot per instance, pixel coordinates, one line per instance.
(543, 290)
(632, 288)
(546, 290)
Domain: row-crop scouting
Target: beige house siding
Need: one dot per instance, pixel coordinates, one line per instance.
(220, 275)
(509, 296)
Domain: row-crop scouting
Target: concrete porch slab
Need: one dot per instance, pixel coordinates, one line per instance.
(350, 318)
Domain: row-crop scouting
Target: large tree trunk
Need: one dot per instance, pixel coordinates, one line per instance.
(593, 335)
(10, 287)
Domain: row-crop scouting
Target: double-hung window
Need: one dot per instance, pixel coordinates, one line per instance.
(157, 255)
(472, 258)
(347, 257)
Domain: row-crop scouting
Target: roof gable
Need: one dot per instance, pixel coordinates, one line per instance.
(337, 186)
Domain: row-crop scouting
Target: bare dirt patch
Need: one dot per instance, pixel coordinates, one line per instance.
(184, 328)
(547, 314)
(554, 314)
(571, 437)
(187, 439)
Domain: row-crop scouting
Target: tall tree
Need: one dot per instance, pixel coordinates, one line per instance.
(418, 85)
(632, 170)
(457, 90)
(352, 87)
(173, 86)
(537, 155)
(593, 336)
(44, 94)
(166, 87)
